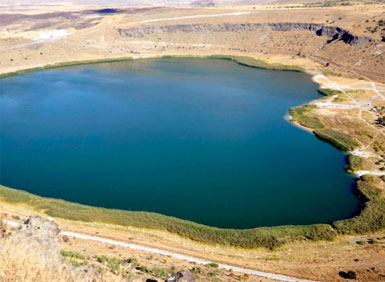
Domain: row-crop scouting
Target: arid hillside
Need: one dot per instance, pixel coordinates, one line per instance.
(339, 39)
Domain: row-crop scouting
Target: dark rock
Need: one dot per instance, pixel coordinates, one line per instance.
(348, 275)
(182, 276)
(188, 28)
(333, 32)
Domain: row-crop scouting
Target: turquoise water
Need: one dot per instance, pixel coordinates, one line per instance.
(199, 139)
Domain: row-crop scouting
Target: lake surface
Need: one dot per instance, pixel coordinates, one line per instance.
(199, 139)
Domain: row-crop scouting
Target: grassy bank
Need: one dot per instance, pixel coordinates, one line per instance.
(372, 216)
(267, 237)
(245, 61)
(370, 219)
(258, 63)
(328, 92)
(338, 139)
(301, 116)
(65, 64)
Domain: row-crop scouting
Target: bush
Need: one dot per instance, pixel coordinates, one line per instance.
(102, 259)
(143, 269)
(197, 269)
(372, 241)
(71, 254)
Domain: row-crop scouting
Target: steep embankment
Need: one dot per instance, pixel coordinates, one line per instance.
(332, 32)
(358, 53)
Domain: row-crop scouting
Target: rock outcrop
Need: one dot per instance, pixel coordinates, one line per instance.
(332, 32)
(31, 252)
(188, 28)
(40, 236)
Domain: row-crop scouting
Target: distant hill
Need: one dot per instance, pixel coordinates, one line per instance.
(203, 3)
(200, 3)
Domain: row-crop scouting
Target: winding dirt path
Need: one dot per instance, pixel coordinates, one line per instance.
(174, 255)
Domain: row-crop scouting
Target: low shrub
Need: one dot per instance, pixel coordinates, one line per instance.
(71, 254)
(197, 270)
(372, 241)
(212, 274)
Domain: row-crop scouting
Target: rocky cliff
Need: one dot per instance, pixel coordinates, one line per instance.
(331, 32)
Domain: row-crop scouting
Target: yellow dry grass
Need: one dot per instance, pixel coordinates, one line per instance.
(27, 259)
(21, 263)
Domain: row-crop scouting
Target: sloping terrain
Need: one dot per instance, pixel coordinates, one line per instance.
(342, 46)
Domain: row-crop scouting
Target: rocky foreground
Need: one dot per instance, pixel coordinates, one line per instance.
(32, 252)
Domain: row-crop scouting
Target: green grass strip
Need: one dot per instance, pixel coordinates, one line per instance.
(372, 217)
(340, 140)
(257, 63)
(65, 64)
(267, 237)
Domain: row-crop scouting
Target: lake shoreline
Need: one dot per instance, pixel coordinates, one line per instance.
(267, 239)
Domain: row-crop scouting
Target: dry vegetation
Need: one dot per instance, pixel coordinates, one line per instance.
(33, 251)
(289, 35)
(284, 37)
